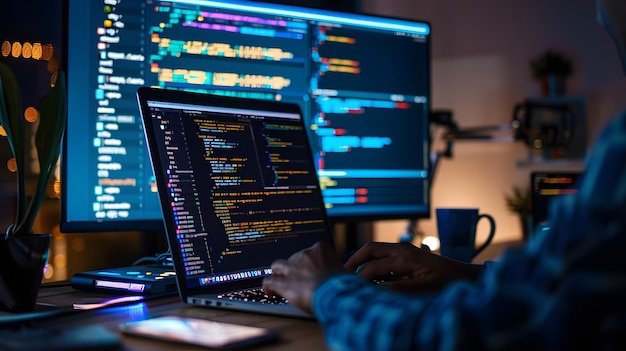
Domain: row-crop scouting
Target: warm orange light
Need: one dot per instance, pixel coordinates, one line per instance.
(27, 50)
(56, 187)
(53, 65)
(37, 51)
(53, 79)
(60, 261)
(12, 165)
(2, 131)
(47, 52)
(16, 50)
(6, 48)
(31, 114)
(49, 271)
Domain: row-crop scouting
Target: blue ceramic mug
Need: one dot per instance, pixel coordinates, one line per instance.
(457, 232)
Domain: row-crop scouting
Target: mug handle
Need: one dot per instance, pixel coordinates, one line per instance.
(492, 232)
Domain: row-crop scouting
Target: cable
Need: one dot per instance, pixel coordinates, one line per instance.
(162, 259)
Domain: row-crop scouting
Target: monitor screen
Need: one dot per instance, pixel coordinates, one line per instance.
(546, 186)
(362, 82)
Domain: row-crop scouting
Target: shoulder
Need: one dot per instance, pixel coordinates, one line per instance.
(604, 185)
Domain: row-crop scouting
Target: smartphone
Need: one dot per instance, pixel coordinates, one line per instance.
(199, 332)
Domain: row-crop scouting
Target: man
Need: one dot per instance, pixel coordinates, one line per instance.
(565, 290)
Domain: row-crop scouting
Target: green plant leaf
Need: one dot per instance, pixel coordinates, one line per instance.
(550, 63)
(52, 119)
(10, 111)
(53, 110)
(519, 201)
(11, 120)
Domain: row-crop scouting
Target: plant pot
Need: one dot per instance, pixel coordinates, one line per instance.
(22, 263)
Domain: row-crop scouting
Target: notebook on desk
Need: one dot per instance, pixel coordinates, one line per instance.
(238, 189)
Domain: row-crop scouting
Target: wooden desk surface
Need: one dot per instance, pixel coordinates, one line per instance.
(294, 333)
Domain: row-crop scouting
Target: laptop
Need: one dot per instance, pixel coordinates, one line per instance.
(546, 186)
(238, 189)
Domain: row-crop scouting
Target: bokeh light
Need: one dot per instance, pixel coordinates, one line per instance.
(27, 50)
(6, 48)
(16, 50)
(56, 187)
(37, 51)
(47, 52)
(31, 114)
(49, 271)
(12, 165)
(432, 242)
(53, 65)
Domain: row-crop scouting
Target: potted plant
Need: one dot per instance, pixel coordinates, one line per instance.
(24, 254)
(519, 201)
(551, 68)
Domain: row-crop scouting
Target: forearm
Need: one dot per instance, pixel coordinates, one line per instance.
(358, 315)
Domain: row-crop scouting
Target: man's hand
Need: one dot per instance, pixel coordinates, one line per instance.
(421, 270)
(297, 278)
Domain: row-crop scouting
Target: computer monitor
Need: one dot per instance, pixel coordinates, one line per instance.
(546, 186)
(363, 83)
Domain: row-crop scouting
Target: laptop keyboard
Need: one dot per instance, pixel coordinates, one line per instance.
(255, 295)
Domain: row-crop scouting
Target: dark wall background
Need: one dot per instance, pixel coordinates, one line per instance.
(32, 21)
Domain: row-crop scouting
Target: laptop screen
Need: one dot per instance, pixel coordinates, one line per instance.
(236, 181)
(545, 187)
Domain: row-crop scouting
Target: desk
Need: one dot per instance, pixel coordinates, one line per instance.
(295, 333)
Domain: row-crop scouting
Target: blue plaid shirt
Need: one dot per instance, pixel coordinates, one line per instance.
(566, 289)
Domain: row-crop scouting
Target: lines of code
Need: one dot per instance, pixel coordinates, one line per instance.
(363, 91)
(188, 37)
(124, 187)
(234, 171)
(360, 104)
(258, 183)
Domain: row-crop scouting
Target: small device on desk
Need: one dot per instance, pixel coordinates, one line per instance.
(148, 280)
(201, 332)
